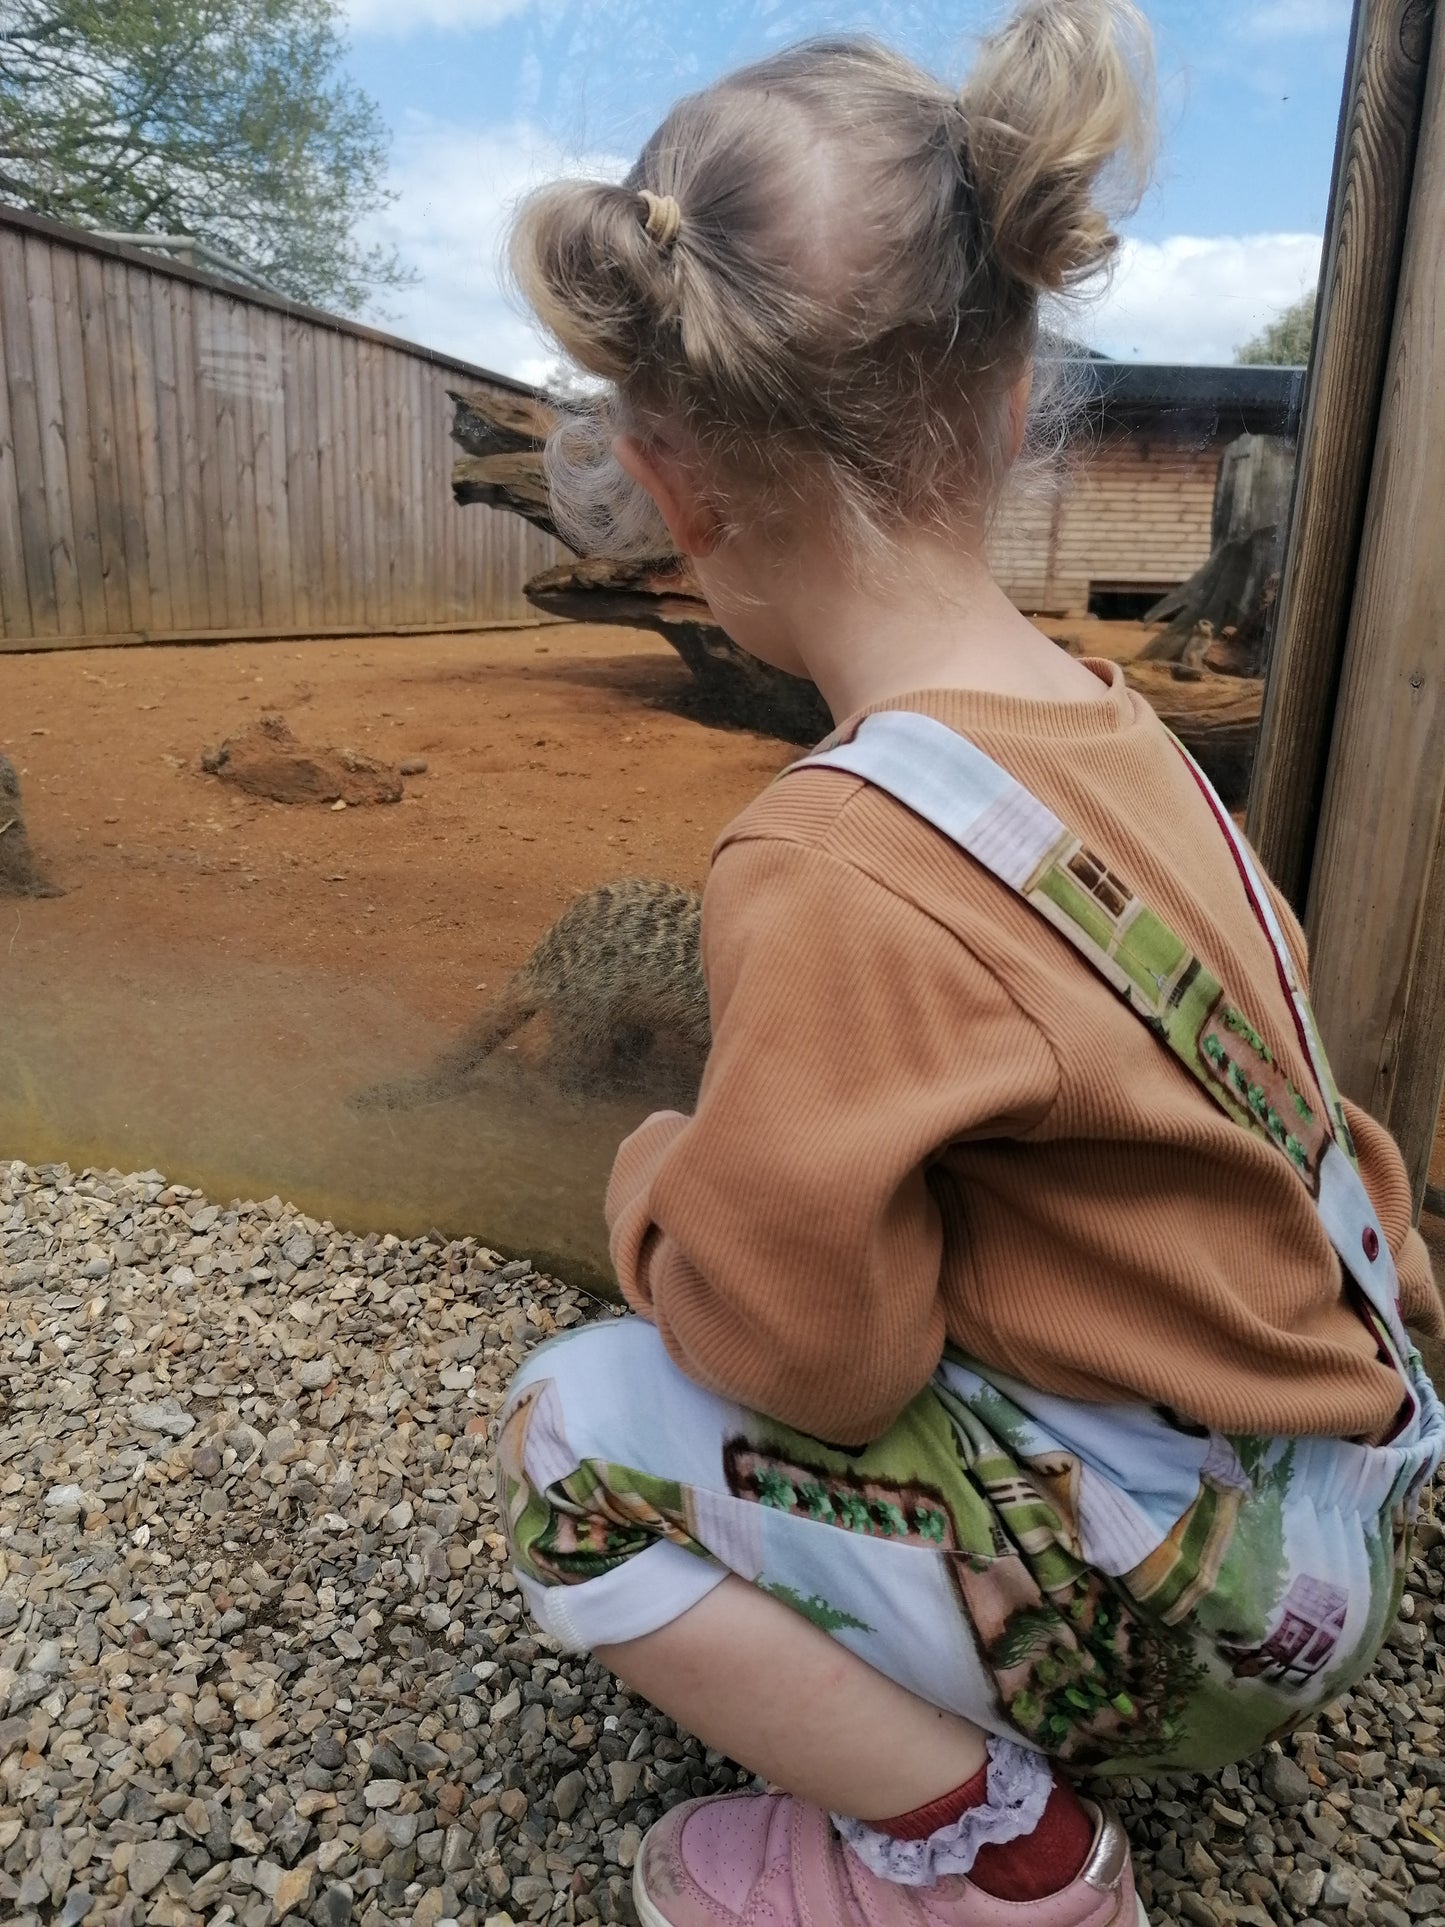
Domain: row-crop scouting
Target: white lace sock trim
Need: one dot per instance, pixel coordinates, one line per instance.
(1019, 1784)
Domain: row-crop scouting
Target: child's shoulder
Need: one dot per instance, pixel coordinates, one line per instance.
(803, 806)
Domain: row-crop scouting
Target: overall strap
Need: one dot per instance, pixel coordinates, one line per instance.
(953, 785)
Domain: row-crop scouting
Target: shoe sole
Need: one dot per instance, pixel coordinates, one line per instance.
(649, 1915)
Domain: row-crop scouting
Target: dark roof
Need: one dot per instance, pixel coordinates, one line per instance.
(1235, 399)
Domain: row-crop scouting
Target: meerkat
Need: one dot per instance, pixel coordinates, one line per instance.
(19, 876)
(617, 979)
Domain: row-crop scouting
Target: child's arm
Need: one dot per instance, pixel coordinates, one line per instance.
(784, 1239)
(1383, 1171)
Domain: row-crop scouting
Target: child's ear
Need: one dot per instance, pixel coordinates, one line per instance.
(690, 520)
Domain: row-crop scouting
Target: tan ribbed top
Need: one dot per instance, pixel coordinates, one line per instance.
(924, 1116)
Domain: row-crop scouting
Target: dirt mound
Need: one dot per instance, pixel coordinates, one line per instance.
(268, 761)
(19, 876)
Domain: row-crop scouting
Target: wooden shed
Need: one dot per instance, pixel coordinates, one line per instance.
(1125, 515)
(183, 458)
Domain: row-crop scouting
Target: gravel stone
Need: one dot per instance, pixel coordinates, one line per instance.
(1284, 1781)
(162, 1415)
(149, 1864)
(262, 1662)
(567, 1794)
(333, 1909)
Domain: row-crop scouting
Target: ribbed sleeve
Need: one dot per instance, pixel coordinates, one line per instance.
(785, 1239)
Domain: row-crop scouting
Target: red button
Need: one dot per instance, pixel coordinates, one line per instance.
(1371, 1243)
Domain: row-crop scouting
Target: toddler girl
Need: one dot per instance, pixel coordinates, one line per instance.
(1020, 1384)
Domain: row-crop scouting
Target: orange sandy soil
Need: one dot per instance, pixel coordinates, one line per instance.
(222, 972)
(555, 757)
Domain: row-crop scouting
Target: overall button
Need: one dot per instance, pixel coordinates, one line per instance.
(1370, 1241)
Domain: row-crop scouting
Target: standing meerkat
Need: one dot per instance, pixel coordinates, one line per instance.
(618, 981)
(19, 876)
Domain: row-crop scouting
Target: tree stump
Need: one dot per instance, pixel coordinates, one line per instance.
(1233, 588)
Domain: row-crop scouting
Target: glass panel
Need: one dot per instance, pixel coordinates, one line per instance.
(309, 859)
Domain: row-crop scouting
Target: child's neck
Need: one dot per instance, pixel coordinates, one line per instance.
(932, 618)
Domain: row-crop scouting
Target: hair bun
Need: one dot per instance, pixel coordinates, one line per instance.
(1060, 98)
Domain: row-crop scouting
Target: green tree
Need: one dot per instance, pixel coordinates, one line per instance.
(228, 120)
(1285, 341)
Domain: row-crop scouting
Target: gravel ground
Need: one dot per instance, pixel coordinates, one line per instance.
(261, 1660)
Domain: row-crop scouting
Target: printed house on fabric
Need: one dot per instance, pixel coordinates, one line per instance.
(1311, 1621)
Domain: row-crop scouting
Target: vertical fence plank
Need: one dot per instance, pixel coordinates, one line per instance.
(203, 428)
(1374, 162)
(130, 493)
(433, 500)
(323, 345)
(154, 506)
(19, 346)
(1377, 895)
(398, 374)
(403, 371)
(263, 410)
(348, 513)
(14, 587)
(299, 460)
(185, 603)
(358, 585)
(173, 316)
(54, 454)
(364, 461)
(80, 461)
(415, 491)
(383, 443)
(457, 601)
(374, 442)
(100, 423)
(223, 464)
(246, 378)
(268, 405)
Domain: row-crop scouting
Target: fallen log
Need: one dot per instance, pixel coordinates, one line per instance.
(510, 481)
(735, 687)
(1215, 716)
(494, 421)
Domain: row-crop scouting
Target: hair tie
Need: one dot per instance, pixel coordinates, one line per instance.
(664, 218)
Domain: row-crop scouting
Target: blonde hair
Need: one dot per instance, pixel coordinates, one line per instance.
(826, 270)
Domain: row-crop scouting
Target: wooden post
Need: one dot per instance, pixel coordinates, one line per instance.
(1374, 166)
(1377, 890)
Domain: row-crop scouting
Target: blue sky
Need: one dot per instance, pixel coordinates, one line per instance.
(486, 97)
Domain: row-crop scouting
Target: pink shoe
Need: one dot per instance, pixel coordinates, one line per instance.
(772, 1861)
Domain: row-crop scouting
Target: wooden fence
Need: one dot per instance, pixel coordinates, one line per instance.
(184, 459)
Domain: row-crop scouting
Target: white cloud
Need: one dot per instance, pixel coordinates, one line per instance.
(400, 17)
(1195, 299)
(456, 189)
(1295, 19)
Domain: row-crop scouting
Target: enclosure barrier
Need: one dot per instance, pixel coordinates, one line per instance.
(1350, 779)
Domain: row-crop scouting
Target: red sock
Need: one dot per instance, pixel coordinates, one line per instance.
(1030, 1868)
